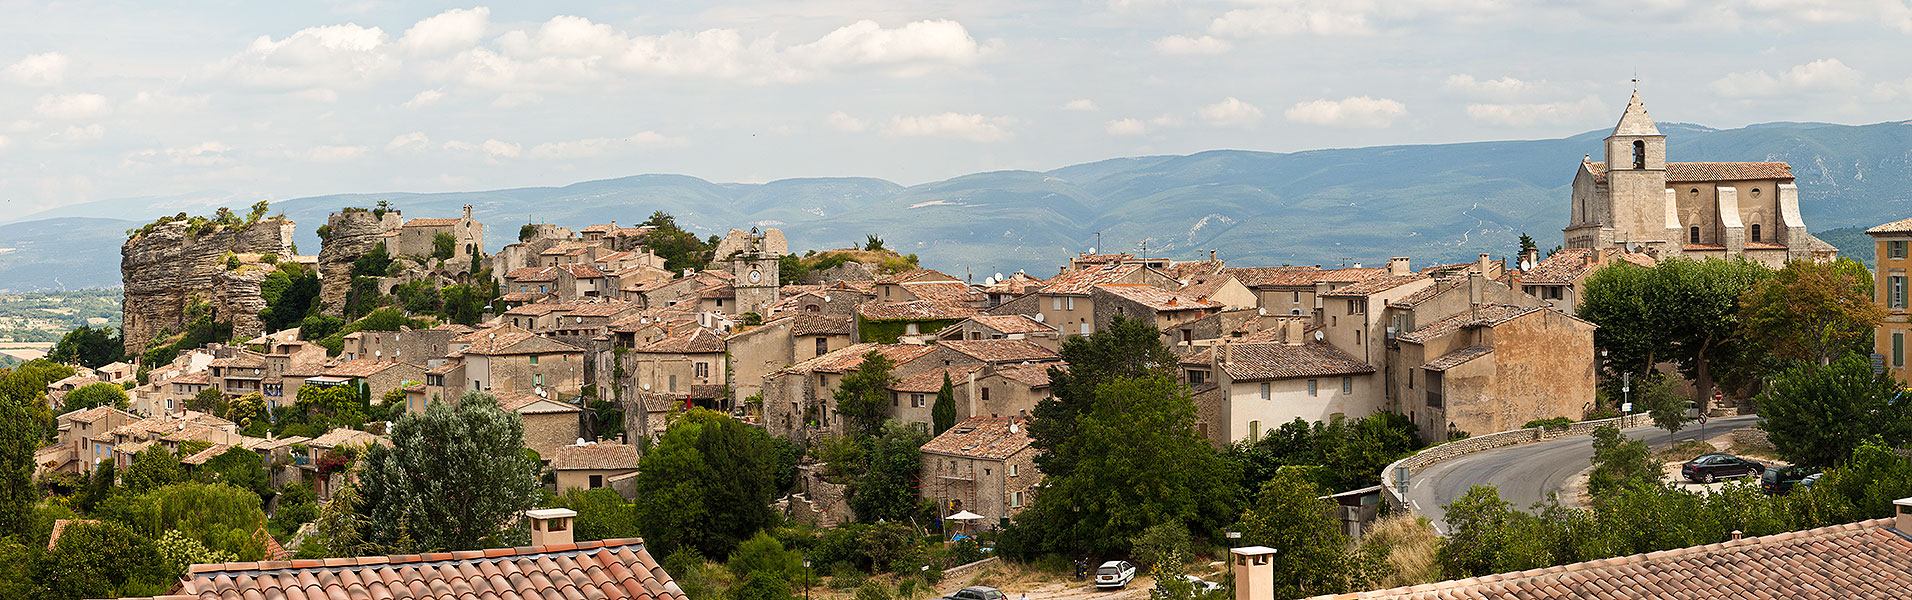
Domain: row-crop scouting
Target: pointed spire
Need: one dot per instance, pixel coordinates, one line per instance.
(1635, 121)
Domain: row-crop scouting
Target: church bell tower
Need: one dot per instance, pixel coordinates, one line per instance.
(1636, 176)
(756, 272)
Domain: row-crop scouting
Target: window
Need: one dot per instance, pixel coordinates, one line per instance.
(534, 360)
(1015, 500)
(1895, 249)
(597, 481)
(1058, 302)
(916, 400)
(1895, 291)
(1254, 431)
(673, 384)
(1639, 154)
(703, 369)
(1311, 386)
(1693, 235)
(1899, 352)
(1755, 232)
(896, 399)
(720, 303)
(823, 346)
(1434, 398)
(985, 394)
(1087, 329)
(1072, 303)
(911, 329)
(1197, 377)
(1297, 298)
(537, 379)
(1188, 336)
(1347, 385)
(1266, 390)
(1357, 306)
(1012, 470)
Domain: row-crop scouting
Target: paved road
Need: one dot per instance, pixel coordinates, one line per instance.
(1526, 473)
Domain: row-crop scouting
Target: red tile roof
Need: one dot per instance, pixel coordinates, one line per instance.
(696, 341)
(1002, 351)
(1274, 276)
(1079, 282)
(943, 291)
(1490, 314)
(931, 381)
(601, 457)
(616, 569)
(1158, 299)
(818, 324)
(425, 222)
(1034, 376)
(582, 271)
(914, 310)
(1699, 172)
(849, 358)
(1899, 226)
(512, 340)
(1256, 362)
(1008, 324)
(1840, 562)
(532, 274)
(1457, 358)
(989, 438)
(363, 367)
(1374, 285)
(914, 275)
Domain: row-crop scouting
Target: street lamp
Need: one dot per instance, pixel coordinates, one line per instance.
(806, 578)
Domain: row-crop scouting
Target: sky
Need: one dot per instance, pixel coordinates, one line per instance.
(287, 99)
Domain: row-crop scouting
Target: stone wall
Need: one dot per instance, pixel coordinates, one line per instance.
(1391, 490)
(168, 269)
(351, 234)
(1751, 437)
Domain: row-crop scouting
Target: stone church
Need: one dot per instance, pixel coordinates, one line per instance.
(1638, 200)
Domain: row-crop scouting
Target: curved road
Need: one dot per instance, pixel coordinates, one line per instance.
(1526, 473)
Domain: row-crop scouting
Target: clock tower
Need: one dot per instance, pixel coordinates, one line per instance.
(755, 266)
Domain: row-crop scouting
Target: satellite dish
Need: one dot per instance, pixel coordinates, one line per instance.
(1092, 249)
(999, 276)
(989, 281)
(1318, 335)
(1261, 312)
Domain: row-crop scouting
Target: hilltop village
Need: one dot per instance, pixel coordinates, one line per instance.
(738, 397)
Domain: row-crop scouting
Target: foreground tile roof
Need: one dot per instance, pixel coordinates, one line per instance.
(595, 457)
(849, 358)
(616, 569)
(992, 438)
(1697, 172)
(1842, 562)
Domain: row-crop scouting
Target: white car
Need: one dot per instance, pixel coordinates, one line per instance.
(1114, 574)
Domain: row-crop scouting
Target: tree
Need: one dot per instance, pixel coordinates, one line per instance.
(1135, 462)
(318, 327)
(100, 485)
(1527, 244)
(1817, 415)
(258, 211)
(1683, 311)
(237, 467)
(1619, 461)
(707, 485)
(764, 554)
(444, 245)
(680, 249)
(456, 474)
(872, 243)
(297, 506)
(527, 231)
(94, 394)
(1314, 557)
(209, 401)
(152, 468)
(886, 488)
(602, 514)
(249, 412)
(1348, 454)
(328, 407)
(291, 292)
(1812, 311)
(100, 560)
(863, 398)
(1164, 549)
(219, 516)
(1662, 398)
(943, 413)
(1128, 348)
(179, 552)
(20, 435)
(89, 347)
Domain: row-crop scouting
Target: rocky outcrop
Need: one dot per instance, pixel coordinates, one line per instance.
(167, 269)
(350, 234)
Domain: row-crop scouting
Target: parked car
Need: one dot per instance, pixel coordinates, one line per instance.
(1810, 480)
(1713, 467)
(1114, 574)
(1198, 585)
(1779, 480)
(977, 592)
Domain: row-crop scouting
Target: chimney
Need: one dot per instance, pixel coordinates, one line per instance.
(1254, 571)
(1221, 354)
(1481, 263)
(1529, 258)
(1211, 255)
(1398, 266)
(1903, 508)
(550, 525)
(1737, 534)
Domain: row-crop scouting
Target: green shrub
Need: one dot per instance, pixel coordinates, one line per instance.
(1553, 423)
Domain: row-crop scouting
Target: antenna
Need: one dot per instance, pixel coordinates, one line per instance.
(1098, 242)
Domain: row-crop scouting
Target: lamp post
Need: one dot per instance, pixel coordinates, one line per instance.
(1451, 429)
(806, 578)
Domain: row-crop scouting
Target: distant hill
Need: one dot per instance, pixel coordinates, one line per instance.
(1852, 243)
(1444, 202)
(64, 253)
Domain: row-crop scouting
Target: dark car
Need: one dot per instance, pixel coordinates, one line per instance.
(1779, 480)
(1713, 467)
(977, 592)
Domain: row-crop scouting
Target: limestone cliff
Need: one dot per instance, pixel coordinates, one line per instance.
(349, 234)
(167, 268)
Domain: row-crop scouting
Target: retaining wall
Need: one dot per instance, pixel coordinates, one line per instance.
(1390, 490)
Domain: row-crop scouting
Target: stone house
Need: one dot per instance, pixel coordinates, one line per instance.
(798, 400)
(117, 372)
(577, 281)
(85, 438)
(1221, 288)
(991, 352)
(548, 424)
(372, 378)
(1890, 264)
(239, 374)
(1161, 309)
(592, 466)
(1293, 290)
(1003, 327)
(926, 284)
(1353, 317)
(982, 465)
(759, 351)
(582, 321)
(912, 399)
(537, 281)
(673, 364)
(1493, 367)
(416, 346)
(913, 321)
(1010, 390)
(417, 236)
(1234, 324)
(1009, 288)
(509, 359)
(1243, 389)
(1064, 302)
(1558, 278)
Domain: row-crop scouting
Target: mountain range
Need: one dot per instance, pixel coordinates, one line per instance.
(1435, 203)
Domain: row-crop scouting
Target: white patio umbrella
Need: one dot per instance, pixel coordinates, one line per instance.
(966, 518)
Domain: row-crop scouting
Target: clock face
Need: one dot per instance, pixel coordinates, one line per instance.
(755, 276)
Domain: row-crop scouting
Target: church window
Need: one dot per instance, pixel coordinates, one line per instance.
(1755, 192)
(1693, 235)
(1755, 232)
(1695, 193)
(1639, 154)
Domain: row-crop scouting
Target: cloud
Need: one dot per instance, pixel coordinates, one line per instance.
(1550, 113)
(1822, 74)
(4, 141)
(203, 154)
(1892, 90)
(39, 70)
(517, 99)
(409, 142)
(163, 102)
(1082, 105)
(595, 147)
(866, 43)
(975, 128)
(1290, 17)
(1182, 45)
(1134, 126)
(424, 99)
(1230, 112)
(332, 56)
(1505, 88)
(72, 106)
(1357, 111)
(335, 154)
(449, 31)
(842, 121)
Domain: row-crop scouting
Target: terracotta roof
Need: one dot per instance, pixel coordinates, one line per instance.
(532, 274)
(1007, 324)
(363, 367)
(1101, 259)
(1764, 246)
(512, 340)
(518, 402)
(1899, 226)
(1158, 299)
(202, 456)
(424, 222)
(1273, 276)
(1374, 285)
(599, 228)
(850, 357)
(1193, 268)
(1079, 282)
(276, 443)
(1349, 274)
(196, 378)
(342, 436)
(1457, 358)
(1702, 247)
(819, 324)
(1854, 560)
(539, 309)
(523, 296)
(615, 569)
(96, 413)
(1255, 362)
(1429, 292)
(600, 309)
(917, 275)
(582, 271)
(1034, 376)
(1699, 172)
(696, 341)
(1002, 351)
(914, 310)
(717, 290)
(1015, 283)
(242, 360)
(599, 456)
(931, 381)
(943, 291)
(989, 438)
(1490, 314)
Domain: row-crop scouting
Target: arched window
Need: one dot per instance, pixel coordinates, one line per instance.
(1755, 232)
(1639, 154)
(1693, 235)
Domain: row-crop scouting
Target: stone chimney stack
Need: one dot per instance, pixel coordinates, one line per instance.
(550, 525)
(1529, 258)
(1903, 509)
(1211, 255)
(1481, 264)
(1254, 570)
(1398, 266)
